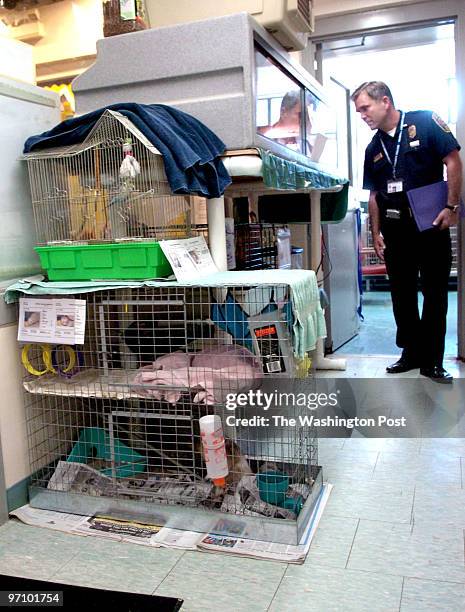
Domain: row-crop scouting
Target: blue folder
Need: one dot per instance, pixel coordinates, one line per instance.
(427, 202)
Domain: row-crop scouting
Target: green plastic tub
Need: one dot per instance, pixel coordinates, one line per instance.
(111, 261)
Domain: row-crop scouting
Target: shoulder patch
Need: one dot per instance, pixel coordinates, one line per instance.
(442, 124)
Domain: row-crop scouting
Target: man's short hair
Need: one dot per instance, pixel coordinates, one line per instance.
(374, 89)
(290, 100)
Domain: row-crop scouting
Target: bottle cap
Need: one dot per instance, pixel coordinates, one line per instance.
(219, 482)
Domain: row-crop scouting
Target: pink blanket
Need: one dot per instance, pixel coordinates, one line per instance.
(212, 374)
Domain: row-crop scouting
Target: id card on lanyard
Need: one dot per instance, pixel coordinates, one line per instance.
(395, 185)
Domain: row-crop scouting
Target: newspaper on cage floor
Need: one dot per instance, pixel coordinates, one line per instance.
(157, 536)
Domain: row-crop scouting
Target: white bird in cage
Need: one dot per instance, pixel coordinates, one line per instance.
(130, 167)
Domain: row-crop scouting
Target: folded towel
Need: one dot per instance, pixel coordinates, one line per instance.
(191, 151)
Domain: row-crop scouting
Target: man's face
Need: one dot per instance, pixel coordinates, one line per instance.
(373, 112)
(292, 116)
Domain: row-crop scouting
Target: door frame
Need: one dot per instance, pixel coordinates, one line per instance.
(399, 18)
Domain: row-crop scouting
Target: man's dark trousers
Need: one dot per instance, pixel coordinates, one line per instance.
(410, 254)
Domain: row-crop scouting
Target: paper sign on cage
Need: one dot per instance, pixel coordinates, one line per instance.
(55, 321)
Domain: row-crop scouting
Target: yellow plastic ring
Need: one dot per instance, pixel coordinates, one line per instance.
(46, 356)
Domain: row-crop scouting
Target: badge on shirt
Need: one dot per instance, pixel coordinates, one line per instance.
(412, 131)
(376, 158)
(395, 186)
(442, 124)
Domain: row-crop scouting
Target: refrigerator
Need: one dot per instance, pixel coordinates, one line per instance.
(340, 271)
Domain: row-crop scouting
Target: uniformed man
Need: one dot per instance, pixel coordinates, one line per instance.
(409, 150)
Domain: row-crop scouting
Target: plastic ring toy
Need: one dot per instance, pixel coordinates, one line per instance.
(46, 356)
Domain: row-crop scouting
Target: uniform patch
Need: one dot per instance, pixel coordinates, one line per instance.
(412, 131)
(376, 158)
(442, 124)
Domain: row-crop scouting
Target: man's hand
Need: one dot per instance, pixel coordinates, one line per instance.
(446, 218)
(379, 246)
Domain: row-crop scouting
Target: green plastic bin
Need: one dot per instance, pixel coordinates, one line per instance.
(111, 261)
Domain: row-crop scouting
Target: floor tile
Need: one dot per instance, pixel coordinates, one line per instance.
(323, 589)
(350, 456)
(372, 501)
(333, 540)
(116, 565)
(445, 502)
(327, 444)
(422, 468)
(432, 595)
(384, 445)
(357, 442)
(220, 582)
(395, 548)
(34, 552)
(377, 331)
(335, 472)
(451, 447)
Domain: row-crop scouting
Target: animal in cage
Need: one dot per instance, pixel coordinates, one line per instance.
(124, 430)
(110, 187)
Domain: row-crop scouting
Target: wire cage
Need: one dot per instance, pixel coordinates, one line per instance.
(256, 247)
(119, 431)
(110, 187)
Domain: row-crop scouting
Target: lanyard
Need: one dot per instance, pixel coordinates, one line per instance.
(397, 147)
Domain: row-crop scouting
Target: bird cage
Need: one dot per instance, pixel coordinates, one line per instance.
(119, 430)
(110, 187)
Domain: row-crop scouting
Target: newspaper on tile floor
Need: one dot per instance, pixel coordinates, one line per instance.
(82, 478)
(156, 536)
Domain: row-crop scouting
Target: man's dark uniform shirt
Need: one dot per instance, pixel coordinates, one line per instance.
(409, 254)
(426, 140)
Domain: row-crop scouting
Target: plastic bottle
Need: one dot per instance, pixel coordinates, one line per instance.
(214, 451)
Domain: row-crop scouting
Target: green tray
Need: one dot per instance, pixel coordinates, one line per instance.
(112, 261)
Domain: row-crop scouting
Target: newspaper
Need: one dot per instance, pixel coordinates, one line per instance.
(118, 529)
(81, 478)
(157, 536)
(59, 521)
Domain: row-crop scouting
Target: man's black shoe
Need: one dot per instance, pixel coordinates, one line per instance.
(402, 365)
(437, 374)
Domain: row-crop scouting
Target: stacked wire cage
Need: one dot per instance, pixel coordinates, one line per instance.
(104, 204)
(119, 433)
(256, 247)
(115, 424)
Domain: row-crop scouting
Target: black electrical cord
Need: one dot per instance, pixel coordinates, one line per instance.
(325, 253)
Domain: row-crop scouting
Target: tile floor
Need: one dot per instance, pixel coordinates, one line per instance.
(391, 539)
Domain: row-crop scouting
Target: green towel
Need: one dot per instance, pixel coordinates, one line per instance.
(309, 322)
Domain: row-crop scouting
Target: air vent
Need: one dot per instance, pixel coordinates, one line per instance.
(303, 7)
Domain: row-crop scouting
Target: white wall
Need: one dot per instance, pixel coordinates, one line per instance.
(16, 60)
(334, 7)
(71, 30)
(12, 411)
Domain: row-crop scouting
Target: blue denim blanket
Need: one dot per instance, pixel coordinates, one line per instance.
(191, 151)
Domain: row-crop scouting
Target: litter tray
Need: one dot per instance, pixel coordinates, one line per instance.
(112, 261)
(95, 442)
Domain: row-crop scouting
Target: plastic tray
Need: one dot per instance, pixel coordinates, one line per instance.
(113, 261)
